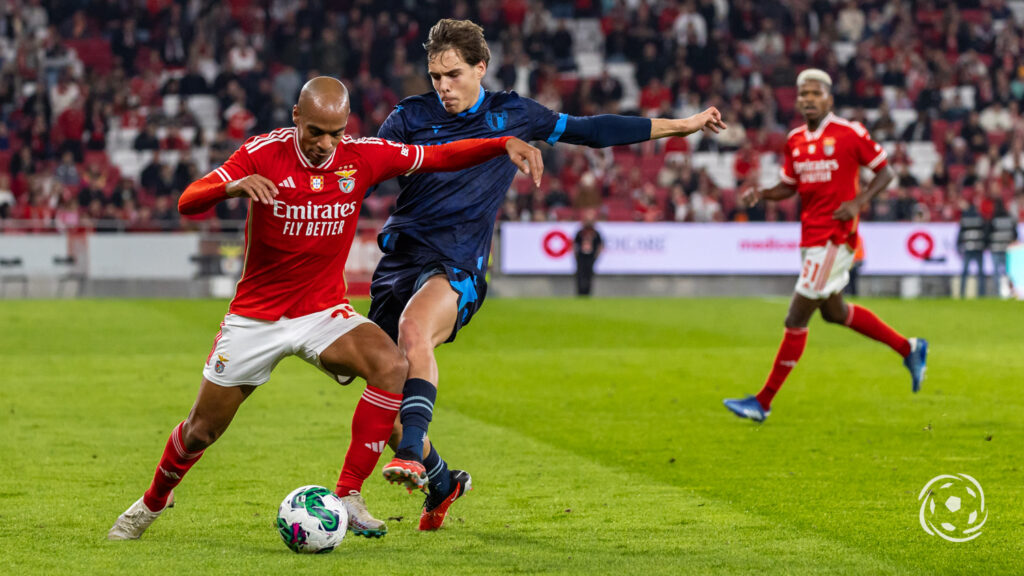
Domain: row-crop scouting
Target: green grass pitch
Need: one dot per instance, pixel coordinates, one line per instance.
(594, 431)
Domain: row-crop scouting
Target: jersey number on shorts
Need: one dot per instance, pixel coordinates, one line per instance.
(345, 312)
(807, 268)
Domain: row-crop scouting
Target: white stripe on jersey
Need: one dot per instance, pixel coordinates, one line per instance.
(419, 159)
(878, 159)
(276, 134)
(857, 127)
(224, 176)
(282, 138)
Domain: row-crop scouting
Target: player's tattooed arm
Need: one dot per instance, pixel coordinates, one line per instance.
(255, 187)
(710, 121)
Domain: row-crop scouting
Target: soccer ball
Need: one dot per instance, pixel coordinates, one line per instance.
(312, 520)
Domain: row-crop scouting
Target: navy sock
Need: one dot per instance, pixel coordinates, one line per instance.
(417, 410)
(437, 471)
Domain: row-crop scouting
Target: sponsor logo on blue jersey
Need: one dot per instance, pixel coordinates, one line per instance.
(497, 120)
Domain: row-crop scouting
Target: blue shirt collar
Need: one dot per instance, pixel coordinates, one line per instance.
(472, 109)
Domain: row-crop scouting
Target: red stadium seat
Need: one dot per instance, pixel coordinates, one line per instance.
(785, 99)
(996, 138)
(567, 84)
(972, 16)
(96, 157)
(619, 209)
(565, 214)
(95, 53)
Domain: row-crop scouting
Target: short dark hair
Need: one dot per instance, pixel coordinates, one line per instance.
(463, 36)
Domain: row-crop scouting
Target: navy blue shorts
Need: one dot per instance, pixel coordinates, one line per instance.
(400, 274)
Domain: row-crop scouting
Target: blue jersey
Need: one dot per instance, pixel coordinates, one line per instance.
(453, 213)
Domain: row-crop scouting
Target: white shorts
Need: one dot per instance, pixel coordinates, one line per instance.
(826, 270)
(246, 350)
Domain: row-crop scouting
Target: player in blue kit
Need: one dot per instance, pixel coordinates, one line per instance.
(431, 279)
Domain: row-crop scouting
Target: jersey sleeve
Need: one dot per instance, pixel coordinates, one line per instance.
(545, 124)
(786, 173)
(386, 159)
(206, 192)
(869, 152)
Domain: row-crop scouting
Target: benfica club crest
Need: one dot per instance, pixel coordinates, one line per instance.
(829, 146)
(346, 182)
(316, 182)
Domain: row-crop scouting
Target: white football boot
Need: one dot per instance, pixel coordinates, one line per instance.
(360, 521)
(134, 521)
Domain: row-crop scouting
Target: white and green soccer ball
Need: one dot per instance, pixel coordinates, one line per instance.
(312, 520)
(953, 507)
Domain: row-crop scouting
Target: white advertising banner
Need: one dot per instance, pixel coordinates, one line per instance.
(899, 248)
(36, 253)
(143, 256)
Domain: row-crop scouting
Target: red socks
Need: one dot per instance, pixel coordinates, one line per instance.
(175, 462)
(864, 321)
(372, 423)
(793, 342)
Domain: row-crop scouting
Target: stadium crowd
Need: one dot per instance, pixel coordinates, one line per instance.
(110, 108)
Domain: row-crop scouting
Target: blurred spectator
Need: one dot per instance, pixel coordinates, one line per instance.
(679, 204)
(97, 122)
(607, 92)
(904, 179)
(850, 23)
(973, 133)
(147, 140)
(996, 118)
(123, 194)
(970, 242)
(1001, 233)
(66, 173)
(556, 196)
(587, 247)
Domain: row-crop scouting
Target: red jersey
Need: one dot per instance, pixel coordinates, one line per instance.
(295, 249)
(824, 165)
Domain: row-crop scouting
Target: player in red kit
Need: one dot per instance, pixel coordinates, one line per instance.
(305, 186)
(822, 163)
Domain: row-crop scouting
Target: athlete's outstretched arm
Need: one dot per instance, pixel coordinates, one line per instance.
(614, 130)
(206, 192)
(751, 196)
(709, 120)
(462, 154)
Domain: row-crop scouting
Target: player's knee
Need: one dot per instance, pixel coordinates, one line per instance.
(830, 317)
(792, 322)
(412, 339)
(388, 371)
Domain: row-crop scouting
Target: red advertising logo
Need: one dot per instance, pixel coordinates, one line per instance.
(557, 244)
(920, 245)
